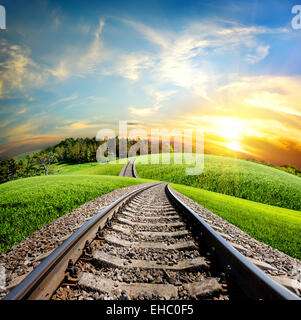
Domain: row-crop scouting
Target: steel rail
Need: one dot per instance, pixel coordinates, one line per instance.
(133, 169)
(134, 172)
(253, 281)
(44, 280)
(123, 170)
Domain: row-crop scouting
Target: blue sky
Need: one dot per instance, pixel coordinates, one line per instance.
(70, 68)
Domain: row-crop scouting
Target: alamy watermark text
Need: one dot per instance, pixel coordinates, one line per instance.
(296, 21)
(189, 143)
(2, 18)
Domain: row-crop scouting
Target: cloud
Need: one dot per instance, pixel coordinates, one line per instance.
(183, 59)
(21, 131)
(158, 96)
(17, 70)
(157, 37)
(269, 101)
(80, 63)
(143, 111)
(22, 111)
(6, 123)
(30, 143)
(96, 99)
(261, 52)
(62, 71)
(279, 151)
(99, 29)
(80, 125)
(56, 17)
(130, 66)
(89, 61)
(279, 94)
(247, 110)
(76, 101)
(66, 99)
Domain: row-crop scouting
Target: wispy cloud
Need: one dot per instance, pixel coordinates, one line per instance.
(22, 111)
(77, 126)
(143, 111)
(82, 62)
(278, 94)
(158, 96)
(260, 53)
(197, 68)
(17, 70)
(130, 66)
(270, 101)
(66, 99)
(181, 57)
(160, 38)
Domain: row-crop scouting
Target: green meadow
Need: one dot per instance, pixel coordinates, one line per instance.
(93, 168)
(277, 227)
(28, 204)
(234, 177)
(256, 198)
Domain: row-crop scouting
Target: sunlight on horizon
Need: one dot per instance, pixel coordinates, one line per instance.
(234, 146)
(229, 128)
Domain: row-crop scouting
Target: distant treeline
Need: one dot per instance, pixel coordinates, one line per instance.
(81, 151)
(68, 151)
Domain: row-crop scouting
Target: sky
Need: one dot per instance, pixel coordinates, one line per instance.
(229, 68)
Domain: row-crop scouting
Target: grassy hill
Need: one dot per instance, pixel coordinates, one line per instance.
(277, 227)
(235, 177)
(28, 204)
(92, 168)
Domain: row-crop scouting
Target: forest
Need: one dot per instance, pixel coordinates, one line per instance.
(70, 150)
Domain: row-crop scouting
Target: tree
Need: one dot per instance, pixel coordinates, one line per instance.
(8, 170)
(44, 160)
(30, 168)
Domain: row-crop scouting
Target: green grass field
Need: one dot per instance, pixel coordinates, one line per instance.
(278, 227)
(28, 204)
(239, 178)
(93, 168)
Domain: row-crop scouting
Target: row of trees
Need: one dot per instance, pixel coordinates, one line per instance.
(84, 150)
(35, 165)
(40, 163)
(68, 151)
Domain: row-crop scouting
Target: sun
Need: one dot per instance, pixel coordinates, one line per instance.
(234, 146)
(230, 128)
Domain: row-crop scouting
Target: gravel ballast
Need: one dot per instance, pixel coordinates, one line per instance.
(281, 263)
(27, 255)
(24, 257)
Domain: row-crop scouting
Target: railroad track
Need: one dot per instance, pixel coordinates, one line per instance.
(129, 170)
(147, 245)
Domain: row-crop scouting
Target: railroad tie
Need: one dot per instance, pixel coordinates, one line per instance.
(156, 217)
(153, 225)
(93, 282)
(180, 245)
(101, 258)
(150, 234)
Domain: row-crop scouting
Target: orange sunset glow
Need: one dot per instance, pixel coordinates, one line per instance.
(237, 80)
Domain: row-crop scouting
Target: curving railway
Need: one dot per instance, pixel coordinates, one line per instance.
(147, 245)
(129, 170)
